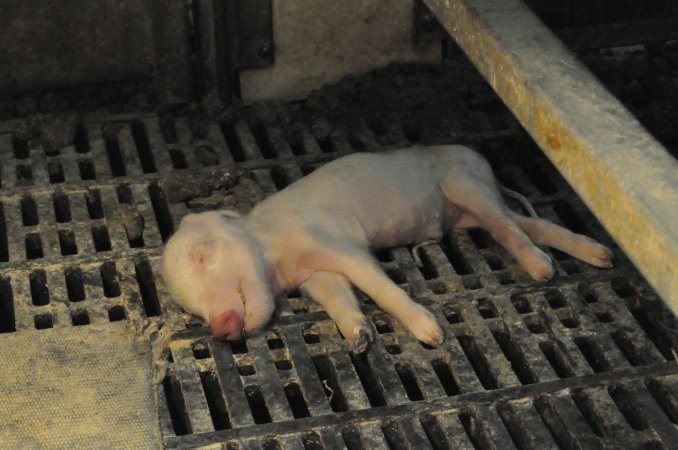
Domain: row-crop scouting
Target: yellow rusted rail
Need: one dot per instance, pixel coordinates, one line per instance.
(624, 175)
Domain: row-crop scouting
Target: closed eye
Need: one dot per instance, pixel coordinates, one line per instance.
(229, 214)
(242, 299)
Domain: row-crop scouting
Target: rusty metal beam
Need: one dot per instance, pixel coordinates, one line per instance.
(624, 175)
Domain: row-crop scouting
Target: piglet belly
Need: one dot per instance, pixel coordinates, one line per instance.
(388, 227)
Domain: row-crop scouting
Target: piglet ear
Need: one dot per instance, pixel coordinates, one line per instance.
(202, 254)
(228, 213)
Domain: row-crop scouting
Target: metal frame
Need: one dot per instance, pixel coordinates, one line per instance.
(623, 174)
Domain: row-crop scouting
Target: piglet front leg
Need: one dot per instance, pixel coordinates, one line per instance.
(365, 273)
(333, 292)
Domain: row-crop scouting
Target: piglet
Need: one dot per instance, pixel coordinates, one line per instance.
(318, 232)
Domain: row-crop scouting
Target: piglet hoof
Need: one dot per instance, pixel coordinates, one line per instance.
(434, 337)
(357, 330)
(425, 328)
(599, 255)
(539, 266)
(361, 338)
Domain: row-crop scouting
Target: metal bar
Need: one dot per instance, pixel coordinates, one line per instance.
(623, 174)
(174, 77)
(254, 48)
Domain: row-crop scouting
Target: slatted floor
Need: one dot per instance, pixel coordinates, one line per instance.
(584, 361)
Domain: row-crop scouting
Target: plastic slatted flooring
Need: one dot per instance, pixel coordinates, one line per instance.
(580, 362)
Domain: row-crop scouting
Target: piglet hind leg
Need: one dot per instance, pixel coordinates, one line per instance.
(577, 245)
(333, 292)
(483, 206)
(364, 272)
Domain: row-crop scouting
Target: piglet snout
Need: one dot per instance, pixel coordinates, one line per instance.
(227, 326)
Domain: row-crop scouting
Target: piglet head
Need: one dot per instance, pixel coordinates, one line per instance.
(214, 268)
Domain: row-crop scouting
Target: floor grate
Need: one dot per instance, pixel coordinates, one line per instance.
(585, 361)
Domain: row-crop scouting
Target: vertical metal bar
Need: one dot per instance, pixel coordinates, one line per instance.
(171, 36)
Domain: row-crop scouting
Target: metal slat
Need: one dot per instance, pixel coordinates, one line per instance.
(185, 141)
(279, 143)
(287, 442)
(62, 308)
(143, 206)
(247, 141)
(116, 231)
(454, 431)
(63, 169)
(524, 342)
(156, 142)
(414, 279)
(488, 348)
(231, 385)
(443, 267)
(97, 151)
(649, 408)
(166, 305)
(396, 134)
(461, 240)
(597, 331)
(129, 289)
(562, 338)
(39, 163)
(188, 377)
(565, 422)
(586, 132)
(97, 304)
(367, 136)
(414, 433)
(331, 439)
(386, 376)
(268, 379)
(265, 180)
(634, 335)
(293, 173)
(48, 229)
(252, 444)
(497, 435)
(22, 302)
(525, 425)
(6, 159)
(16, 233)
(79, 223)
(303, 364)
(310, 143)
(420, 360)
(130, 153)
(348, 381)
(599, 409)
(340, 141)
(164, 418)
(216, 138)
(371, 436)
(461, 368)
